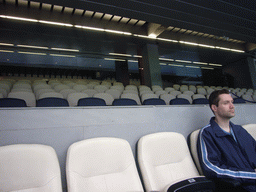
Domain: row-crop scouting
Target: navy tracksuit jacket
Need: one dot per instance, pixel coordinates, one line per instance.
(221, 156)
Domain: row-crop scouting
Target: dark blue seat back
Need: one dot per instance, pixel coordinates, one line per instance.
(239, 100)
(124, 102)
(52, 102)
(91, 101)
(179, 101)
(12, 102)
(200, 101)
(153, 101)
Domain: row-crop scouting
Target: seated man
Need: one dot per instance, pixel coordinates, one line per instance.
(227, 152)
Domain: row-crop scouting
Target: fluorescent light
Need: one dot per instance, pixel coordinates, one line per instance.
(200, 63)
(223, 48)
(29, 46)
(143, 36)
(162, 63)
(118, 32)
(6, 51)
(6, 44)
(152, 36)
(207, 68)
(183, 61)
(62, 49)
(90, 28)
(137, 56)
(192, 66)
(31, 53)
(134, 61)
(236, 50)
(55, 23)
(120, 54)
(18, 18)
(168, 40)
(188, 43)
(215, 64)
(175, 65)
(114, 59)
(165, 59)
(58, 55)
(208, 46)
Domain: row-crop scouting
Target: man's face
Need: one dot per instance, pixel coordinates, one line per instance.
(225, 108)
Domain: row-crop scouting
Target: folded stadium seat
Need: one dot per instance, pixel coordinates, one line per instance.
(114, 92)
(60, 87)
(200, 101)
(118, 87)
(52, 102)
(248, 98)
(102, 164)
(254, 97)
(183, 88)
(156, 88)
(179, 101)
(169, 89)
(148, 95)
(153, 101)
(132, 96)
(28, 97)
(12, 102)
(124, 102)
(3, 92)
(175, 93)
(1, 95)
(166, 164)
(131, 87)
(41, 91)
(160, 92)
(66, 92)
(209, 91)
(167, 98)
(41, 86)
(73, 98)
(190, 93)
(144, 88)
(251, 128)
(50, 94)
(197, 96)
(6, 86)
(239, 100)
(91, 101)
(80, 87)
(176, 87)
(130, 91)
(100, 88)
(106, 83)
(89, 92)
(192, 88)
(146, 92)
(29, 167)
(201, 91)
(184, 96)
(22, 86)
(107, 97)
(239, 94)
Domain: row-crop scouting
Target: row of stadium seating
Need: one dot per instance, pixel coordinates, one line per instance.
(39, 92)
(165, 161)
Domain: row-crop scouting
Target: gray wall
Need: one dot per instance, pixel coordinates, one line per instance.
(60, 127)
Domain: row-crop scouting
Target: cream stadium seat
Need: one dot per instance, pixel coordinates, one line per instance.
(190, 93)
(185, 96)
(160, 92)
(73, 98)
(41, 91)
(114, 92)
(247, 98)
(167, 98)
(251, 128)
(89, 92)
(100, 165)
(183, 88)
(175, 93)
(164, 160)
(201, 91)
(106, 97)
(169, 89)
(131, 96)
(80, 87)
(148, 96)
(176, 87)
(100, 88)
(66, 92)
(29, 167)
(28, 97)
(50, 94)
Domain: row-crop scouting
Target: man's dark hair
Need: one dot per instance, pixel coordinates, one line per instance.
(214, 97)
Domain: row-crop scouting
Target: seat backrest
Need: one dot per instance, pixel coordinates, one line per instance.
(102, 164)
(50, 94)
(148, 96)
(52, 102)
(12, 102)
(164, 158)
(124, 102)
(107, 97)
(192, 142)
(132, 96)
(29, 167)
(239, 100)
(167, 98)
(28, 97)
(91, 101)
(179, 101)
(73, 98)
(154, 101)
(114, 92)
(251, 128)
(201, 101)
(185, 96)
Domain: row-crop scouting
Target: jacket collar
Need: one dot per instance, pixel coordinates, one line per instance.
(217, 130)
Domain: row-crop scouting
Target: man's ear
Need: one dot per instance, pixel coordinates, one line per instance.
(214, 108)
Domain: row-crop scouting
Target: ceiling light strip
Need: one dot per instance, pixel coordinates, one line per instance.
(166, 59)
(18, 18)
(6, 44)
(176, 65)
(200, 63)
(30, 46)
(31, 53)
(62, 49)
(59, 55)
(6, 51)
(219, 65)
(112, 59)
(183, 61)
(55, 23)
(192, 67)
(207, 68)
(120, 54)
